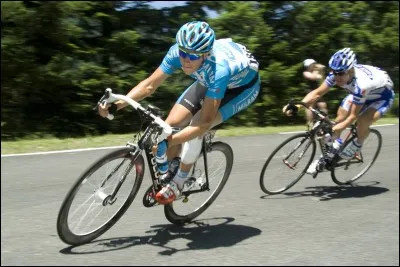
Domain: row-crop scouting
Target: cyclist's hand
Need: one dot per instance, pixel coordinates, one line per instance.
(290, 110)
(103, 109)
(338, 127)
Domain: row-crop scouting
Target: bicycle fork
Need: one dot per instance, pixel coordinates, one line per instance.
(110, 199)
(293, 166)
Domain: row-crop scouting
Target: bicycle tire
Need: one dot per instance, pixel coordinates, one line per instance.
(274, 153)
(169, 211)
(63, 229)
(337, 160)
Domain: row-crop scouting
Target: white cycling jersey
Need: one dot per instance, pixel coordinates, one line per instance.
(369, 83)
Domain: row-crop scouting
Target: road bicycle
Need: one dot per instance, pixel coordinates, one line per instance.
(103, 193)
(288, 163)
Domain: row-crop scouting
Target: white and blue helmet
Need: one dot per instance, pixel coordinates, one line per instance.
(343, 60)
(196, 36)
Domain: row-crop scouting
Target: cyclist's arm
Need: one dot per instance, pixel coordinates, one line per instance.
(145, 87)
(315, 94)
(198, 128)
(313, 76)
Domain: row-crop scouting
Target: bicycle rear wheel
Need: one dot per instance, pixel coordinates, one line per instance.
(348, 171)
(88, 210)
(287, 164)
(219, 161)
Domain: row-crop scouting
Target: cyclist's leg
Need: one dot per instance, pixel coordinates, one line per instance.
(187, 105)
(371, 112)
(309, 117)
(322, 105)
(232, 103)
(191, 149)
(343, 112)
(179, 116)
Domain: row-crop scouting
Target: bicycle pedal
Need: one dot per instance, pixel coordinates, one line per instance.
(148, 199)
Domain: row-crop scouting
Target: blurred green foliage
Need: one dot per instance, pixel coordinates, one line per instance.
(58, 57)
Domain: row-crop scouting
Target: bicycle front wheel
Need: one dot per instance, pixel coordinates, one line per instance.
(219, 161)
(89, 210)
(287, 164)
(348, 171)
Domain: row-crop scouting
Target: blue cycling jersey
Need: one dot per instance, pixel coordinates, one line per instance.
(228, 66)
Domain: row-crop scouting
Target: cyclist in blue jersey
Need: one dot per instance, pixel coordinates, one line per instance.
(370, 96)
(226, 82)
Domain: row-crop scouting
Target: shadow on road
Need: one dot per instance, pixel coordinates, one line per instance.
(334, 192)
(202, 234)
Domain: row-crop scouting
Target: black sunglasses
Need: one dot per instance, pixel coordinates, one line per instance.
(339, 73)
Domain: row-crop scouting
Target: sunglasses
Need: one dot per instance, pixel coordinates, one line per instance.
(339, 73)
(192, 57)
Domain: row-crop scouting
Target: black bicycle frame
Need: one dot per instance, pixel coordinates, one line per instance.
(143, 145)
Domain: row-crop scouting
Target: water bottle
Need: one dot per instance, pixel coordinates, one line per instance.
(336, 146)
(161, 157)
(334, 149)
(328, 142)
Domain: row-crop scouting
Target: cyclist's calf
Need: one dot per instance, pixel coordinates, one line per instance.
(191, 150)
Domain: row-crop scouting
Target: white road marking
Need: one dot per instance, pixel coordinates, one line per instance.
(112, 147)
(373, 126)
(60, 151)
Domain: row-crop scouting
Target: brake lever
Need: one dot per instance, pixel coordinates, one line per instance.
(103, 101)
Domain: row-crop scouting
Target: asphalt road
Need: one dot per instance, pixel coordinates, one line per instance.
(315, 222)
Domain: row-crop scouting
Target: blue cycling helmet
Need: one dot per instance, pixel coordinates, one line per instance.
(343, 60)
(196, 36)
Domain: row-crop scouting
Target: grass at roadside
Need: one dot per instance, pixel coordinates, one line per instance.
(52, 144)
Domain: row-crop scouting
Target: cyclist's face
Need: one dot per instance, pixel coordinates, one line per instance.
(342, 78)
(190, 65)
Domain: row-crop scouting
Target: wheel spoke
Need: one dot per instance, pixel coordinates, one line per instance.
(287, 164)
(86, 212)
(354, 168)
(219, 162)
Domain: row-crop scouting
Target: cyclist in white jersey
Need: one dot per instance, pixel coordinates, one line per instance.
(227, 81)
(370, 96)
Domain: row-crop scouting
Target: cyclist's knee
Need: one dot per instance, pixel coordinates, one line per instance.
(191, 150)
(322, 105)
(377, 116)
(368, 116)
(179, 116)
(341, 115)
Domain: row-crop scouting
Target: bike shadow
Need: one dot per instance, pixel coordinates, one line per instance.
(202, 234)
(357, 190)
